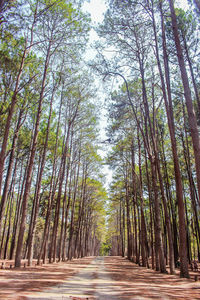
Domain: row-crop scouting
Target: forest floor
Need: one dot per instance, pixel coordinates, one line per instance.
(94, 278)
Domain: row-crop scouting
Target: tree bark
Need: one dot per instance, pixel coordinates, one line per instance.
(188, 98)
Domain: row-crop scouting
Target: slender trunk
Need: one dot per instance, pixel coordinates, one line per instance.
(128, 224)
(189, 252)
(76, 177)
(151, 213)
(121, 229)
(134, 203)
(192, 73)
(64, 217)
(81, 206)
(123, 226)
(143, 224)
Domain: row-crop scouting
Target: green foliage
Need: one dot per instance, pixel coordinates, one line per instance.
(105, 249)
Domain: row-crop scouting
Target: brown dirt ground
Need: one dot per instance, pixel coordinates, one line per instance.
(141, 283)
(15, 281)
(131, 281)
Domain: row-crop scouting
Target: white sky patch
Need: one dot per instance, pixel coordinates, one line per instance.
(182, 4)
(96, 8)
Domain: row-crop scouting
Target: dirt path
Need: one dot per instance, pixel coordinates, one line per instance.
(92, 282)
(95, 278)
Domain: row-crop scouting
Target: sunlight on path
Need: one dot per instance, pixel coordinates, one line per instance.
(92, 282)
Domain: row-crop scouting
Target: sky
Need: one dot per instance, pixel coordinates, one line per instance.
(96, 8)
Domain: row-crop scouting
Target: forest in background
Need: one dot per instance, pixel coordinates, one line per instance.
(53, 201)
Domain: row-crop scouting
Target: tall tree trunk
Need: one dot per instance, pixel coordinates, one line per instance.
(179, 188)
(128, 223)
(135, 253)
(76, 177)
(190, 109)
(64, 216)
(151, 213)
(143, 224)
